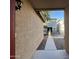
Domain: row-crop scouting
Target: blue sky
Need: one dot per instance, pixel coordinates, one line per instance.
(59, 14)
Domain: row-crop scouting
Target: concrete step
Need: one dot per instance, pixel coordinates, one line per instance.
(55, 54)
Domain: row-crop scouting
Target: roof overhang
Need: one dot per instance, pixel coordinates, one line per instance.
(39, 5)
(49, 4)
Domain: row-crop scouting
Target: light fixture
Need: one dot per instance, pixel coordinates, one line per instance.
(18, 4)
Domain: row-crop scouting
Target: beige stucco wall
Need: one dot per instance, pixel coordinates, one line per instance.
(28, 31)
(67, 28)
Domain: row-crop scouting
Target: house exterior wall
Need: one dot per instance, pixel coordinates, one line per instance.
(67, 28)
(28, 31)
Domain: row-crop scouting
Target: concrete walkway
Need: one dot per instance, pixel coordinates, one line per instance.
(50, 51)
(50, 45)
(54, 54)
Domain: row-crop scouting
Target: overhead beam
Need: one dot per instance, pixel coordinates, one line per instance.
(48, 4)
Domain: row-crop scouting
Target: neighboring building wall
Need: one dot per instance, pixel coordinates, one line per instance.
(52, 24)
(28, 31)
(61, 27)
(67, 28)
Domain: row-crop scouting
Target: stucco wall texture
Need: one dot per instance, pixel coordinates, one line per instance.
(67, 28)
(28, 31)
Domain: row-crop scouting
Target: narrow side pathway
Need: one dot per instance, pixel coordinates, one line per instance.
(50, 45)
(54, 54)
(50, 51)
